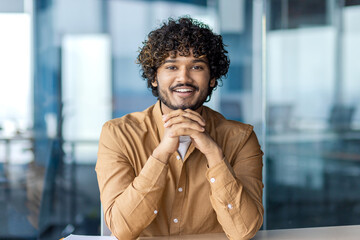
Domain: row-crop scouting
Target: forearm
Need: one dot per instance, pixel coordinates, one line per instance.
(130, 212)
(239, 220)
(239, 213)
(161, 155)
(215, 156)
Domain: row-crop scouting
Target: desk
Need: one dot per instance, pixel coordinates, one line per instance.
(321, 233)
(215, 236)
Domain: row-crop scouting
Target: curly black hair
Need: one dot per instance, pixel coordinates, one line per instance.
(178, 37)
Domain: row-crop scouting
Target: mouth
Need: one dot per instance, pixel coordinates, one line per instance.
(184, 90)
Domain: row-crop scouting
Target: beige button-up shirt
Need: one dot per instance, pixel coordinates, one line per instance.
(142, 196)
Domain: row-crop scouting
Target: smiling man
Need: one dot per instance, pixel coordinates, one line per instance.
(179, 167)
(187, 79)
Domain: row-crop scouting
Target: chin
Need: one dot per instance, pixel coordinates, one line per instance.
(175, 105)
(189, 106)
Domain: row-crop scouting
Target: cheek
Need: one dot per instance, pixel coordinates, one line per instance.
(164, 82)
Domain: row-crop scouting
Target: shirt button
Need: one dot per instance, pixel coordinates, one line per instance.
(178, 157)
(229, 206)
(176, 220)
(180, 189)
(155, 211)
(212, 180)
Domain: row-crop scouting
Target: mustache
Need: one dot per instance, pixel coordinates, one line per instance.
(184, 85)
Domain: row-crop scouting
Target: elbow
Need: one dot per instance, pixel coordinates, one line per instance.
(244, 231)
(253, 227)
(119, 227)
(122, 234)
(120, 231)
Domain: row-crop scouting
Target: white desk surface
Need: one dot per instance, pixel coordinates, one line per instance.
(321, 233)
(326, 233)
(211, 236)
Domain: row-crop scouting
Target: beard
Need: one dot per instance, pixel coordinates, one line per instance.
(164, 98)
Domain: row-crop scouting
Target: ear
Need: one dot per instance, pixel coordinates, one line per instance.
(212, 82)
(154, 83)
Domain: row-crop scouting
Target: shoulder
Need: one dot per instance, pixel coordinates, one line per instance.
(232, 136)
(224, 126)
(135, 120)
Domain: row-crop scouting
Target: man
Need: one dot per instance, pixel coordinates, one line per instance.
(179, 167)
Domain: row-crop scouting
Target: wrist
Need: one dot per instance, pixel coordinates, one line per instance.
(161, 155)
(214, 157)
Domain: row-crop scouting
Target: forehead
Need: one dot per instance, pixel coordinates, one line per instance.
(182, 57)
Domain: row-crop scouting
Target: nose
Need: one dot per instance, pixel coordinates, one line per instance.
(184, 76)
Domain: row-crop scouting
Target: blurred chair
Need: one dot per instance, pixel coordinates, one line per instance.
(341, 117)
(105, 231)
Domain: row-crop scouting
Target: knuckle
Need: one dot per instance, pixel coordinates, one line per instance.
(183, 118)
(179, 111)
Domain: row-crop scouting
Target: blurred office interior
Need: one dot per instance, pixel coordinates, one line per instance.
(68, 66)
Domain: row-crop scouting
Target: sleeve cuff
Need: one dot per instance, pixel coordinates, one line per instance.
(153, 170)
(220, 175)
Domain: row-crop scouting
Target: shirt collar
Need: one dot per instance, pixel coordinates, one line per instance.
(158, 119)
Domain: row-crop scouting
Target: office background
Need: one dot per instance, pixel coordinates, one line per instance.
(68, 66)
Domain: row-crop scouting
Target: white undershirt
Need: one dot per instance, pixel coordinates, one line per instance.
(184, 143)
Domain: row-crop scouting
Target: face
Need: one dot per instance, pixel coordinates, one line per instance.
(183, 82)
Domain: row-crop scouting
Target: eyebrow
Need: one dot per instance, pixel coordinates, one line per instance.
(169, 61)
(193, 61)
(200, 60)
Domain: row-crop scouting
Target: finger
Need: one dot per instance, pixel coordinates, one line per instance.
(194, 116)
(181, 112)
(194, 112)
(182, 128)
(185, 132)
(172, 114)
(183, 119)
(176, 120)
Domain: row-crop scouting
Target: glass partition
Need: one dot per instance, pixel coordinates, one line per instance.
(313, 112)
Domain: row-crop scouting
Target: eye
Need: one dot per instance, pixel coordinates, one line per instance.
(198, 67)
(170, 67)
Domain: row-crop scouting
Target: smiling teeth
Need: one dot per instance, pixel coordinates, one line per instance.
(183, 90)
